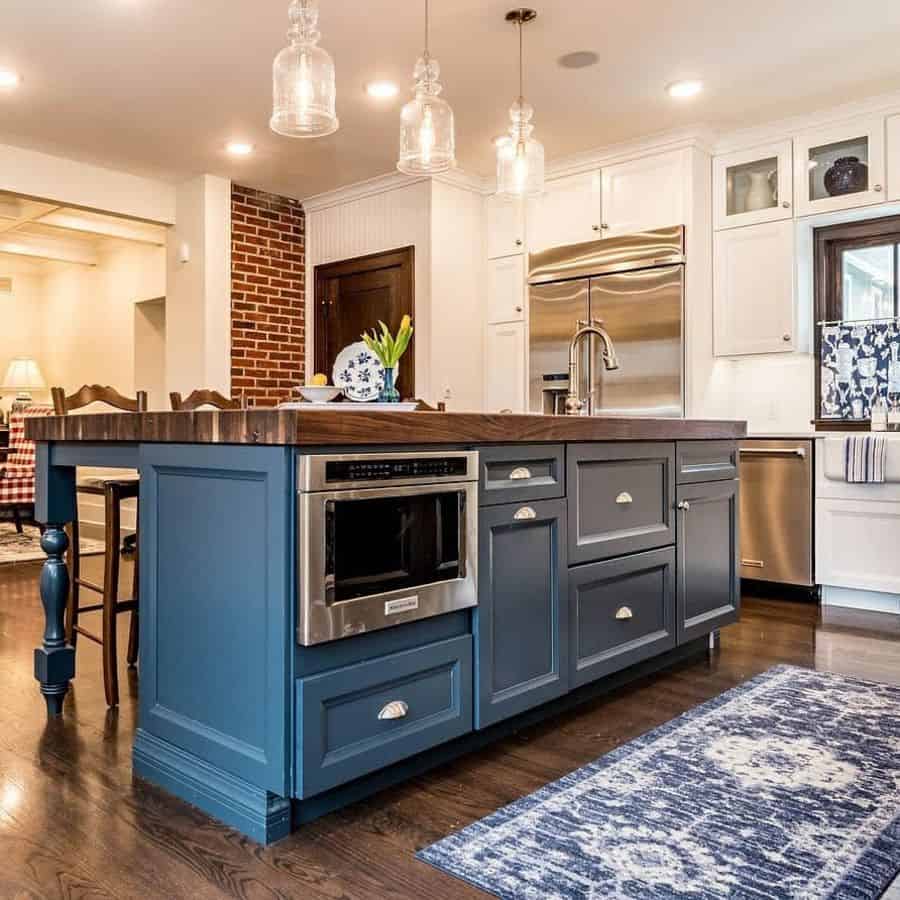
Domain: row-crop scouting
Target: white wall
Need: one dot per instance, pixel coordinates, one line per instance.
(88, 316)
(198, 296)
(150, 351)
(457, 297)
(21, 323)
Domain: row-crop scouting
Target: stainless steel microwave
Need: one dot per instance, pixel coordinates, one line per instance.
(384, 539)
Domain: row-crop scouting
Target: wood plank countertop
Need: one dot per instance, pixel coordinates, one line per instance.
(301, 428)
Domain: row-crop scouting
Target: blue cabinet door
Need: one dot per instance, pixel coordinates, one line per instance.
(217, 605)
(709, 594)
(521, 622)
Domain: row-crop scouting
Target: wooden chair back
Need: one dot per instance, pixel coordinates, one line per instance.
(96, 393)
(205, 397)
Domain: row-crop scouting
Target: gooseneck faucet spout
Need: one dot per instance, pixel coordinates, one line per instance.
(574, 403)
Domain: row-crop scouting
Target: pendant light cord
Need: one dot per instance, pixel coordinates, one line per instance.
(521, 69)
(426, 30)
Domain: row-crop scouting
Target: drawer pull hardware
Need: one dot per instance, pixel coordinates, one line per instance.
(776, 451)
(754, 563)
(520, 474)
(624, 497)
(526, 512)
(396, 709)
(624, 612)
(684, 506)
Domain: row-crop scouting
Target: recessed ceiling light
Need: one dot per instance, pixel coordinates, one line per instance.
(382, 90)
(579, 59)
(239, 148)
(681, 89)
(9, 79)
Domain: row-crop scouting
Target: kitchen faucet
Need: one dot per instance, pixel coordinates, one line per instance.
(574, 404)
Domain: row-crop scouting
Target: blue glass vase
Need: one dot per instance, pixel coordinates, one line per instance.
(389, 392)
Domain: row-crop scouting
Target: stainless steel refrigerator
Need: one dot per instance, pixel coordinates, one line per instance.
(635, 286)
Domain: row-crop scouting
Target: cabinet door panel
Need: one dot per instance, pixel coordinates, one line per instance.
(644, 193)
(506, 289)
(753, 186)
(621, 611)
(505, 228)
(708, 582)
(815, 154)
(622, 499)
(753, 305)
(505, 368)
(521, 622)
(567, 213)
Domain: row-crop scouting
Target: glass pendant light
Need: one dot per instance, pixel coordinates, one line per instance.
(303, 79)
(427, 143)
(520, 158)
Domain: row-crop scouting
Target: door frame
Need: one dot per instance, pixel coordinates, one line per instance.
(404, 257)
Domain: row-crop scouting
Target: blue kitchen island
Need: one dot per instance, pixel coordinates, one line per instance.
(333, 601)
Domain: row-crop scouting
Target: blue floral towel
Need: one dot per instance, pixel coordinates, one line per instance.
(864, 458)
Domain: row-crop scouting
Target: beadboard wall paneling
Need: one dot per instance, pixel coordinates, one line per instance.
(383, 221)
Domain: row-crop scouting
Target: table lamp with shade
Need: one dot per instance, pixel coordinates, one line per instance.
(23, 376)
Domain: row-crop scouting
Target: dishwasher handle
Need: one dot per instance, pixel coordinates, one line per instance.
(776, 451)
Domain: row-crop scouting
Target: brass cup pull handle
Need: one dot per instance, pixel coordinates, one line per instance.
(624, 498)
(520, 474)
(396, 709)
(624, 612)
(525, 513)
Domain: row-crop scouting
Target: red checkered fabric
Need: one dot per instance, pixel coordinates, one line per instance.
(17, 475)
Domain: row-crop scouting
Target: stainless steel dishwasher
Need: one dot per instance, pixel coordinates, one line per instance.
(777, 511)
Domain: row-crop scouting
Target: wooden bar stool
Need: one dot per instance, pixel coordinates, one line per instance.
(114, 491)
(205, 397)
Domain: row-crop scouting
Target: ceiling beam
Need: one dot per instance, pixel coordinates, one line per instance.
(106, 226)
(35, 215)
(50, 249)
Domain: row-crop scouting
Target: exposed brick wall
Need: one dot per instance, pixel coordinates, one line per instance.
(268, 265)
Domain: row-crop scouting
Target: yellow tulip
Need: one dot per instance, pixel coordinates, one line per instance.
(405, 322)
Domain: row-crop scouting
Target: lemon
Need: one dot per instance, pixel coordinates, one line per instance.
(319, 380)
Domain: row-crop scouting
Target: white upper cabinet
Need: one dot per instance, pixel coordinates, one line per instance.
(504, 389)
(506, 289)
(753, 295)
(840, 167)
(753, 186)
(505, 227)
(567, 213)
(893, 157)
(645, 193)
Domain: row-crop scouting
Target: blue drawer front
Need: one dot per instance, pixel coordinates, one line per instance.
(340, 736)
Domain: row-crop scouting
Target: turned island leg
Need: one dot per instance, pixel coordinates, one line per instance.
(54, 660)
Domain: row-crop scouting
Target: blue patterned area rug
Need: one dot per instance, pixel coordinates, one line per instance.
(785, 787)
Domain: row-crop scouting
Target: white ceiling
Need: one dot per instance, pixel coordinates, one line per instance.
(158, 86)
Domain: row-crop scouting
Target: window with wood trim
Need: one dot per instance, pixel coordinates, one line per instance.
(857, 287)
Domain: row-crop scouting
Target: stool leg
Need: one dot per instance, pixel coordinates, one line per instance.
(110, 595)
(134, 629)
(74, 533)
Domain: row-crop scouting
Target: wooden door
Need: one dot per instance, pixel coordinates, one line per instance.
(353, 295)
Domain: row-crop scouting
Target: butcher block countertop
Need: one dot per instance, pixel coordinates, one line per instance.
(358, 427)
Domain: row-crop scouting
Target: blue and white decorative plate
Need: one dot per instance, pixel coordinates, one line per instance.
(358, 373)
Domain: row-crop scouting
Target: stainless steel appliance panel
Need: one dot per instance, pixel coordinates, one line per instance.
(776, 510)
(642, 311)
(555, 310)
(421, 506)
(642, 250)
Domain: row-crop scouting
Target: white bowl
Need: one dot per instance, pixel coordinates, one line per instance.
(319, 393)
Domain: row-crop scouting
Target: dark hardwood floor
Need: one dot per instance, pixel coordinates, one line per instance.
(74, 824)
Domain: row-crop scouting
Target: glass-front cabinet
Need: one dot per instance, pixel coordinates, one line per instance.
(840, 166)
(753, 186)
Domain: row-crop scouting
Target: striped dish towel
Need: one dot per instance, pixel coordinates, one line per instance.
(864, 458)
